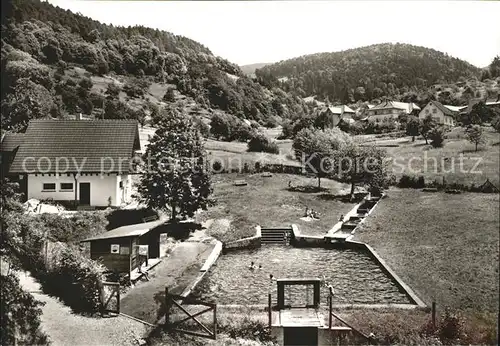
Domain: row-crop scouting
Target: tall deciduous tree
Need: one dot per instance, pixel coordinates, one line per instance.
(361, 165)
(412, 127)
(474, 134)
(315, 148)
(426, 126)
(176, 176)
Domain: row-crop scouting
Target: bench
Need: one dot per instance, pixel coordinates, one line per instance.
(240, 183)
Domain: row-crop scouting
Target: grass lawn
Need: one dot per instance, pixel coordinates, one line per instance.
(268, 202)
(443, 246)
(234, 155)
(402, 150)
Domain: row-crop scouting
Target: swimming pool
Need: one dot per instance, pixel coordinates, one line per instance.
(354, 275)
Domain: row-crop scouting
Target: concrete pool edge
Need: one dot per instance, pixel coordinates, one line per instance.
(264, 307)
(209, 262)
(253, 242)
(401, 284)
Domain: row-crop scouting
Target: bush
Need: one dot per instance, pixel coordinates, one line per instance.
(20, 315)
(436, 136)
(413, 182)
(169, 95)
(76, 280)
(451, 328)
(261, 143)
(202, 127)
(76, 228)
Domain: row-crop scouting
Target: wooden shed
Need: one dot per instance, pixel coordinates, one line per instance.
(119, 248)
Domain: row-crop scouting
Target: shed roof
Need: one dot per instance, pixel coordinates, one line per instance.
(87, 145)
(136, 230)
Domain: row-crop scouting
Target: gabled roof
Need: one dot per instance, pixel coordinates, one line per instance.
(129, 230)
(88, 145)
(407, 107)
(447, 110)
(10, 141)
(338, 109)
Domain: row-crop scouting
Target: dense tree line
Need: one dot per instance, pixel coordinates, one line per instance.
(41, 42)
(367, 73)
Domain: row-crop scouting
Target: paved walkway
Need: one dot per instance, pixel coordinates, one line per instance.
(65, 328)
(146, 301)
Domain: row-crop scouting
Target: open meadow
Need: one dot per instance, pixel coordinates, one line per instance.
(269, 202)
(419, 159)
(445, 247)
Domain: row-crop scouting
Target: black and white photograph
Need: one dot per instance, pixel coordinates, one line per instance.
(249, 173)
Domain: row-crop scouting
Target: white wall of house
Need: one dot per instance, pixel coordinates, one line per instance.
(381, 114)
(437, 114)
(101, 188)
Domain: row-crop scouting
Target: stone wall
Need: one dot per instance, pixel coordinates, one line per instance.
(245, 243)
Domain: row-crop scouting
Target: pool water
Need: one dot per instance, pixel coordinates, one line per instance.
(355, 277)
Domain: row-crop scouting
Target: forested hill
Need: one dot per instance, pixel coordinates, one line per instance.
(368, 72)
(45, 48)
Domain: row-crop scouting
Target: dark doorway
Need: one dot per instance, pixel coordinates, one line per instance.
(84, 193)
(300, 336)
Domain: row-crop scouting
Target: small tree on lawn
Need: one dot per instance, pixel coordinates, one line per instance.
(314, 149)
(475, 135)
(426, 126)
(436, 135)
(361, 165)
(412, 126)
(177, 178)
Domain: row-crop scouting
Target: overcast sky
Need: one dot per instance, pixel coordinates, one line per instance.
(249, 32)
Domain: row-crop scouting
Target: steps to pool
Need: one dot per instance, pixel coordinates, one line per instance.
(279, 236)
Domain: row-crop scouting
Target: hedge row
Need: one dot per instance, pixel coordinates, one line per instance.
(258, 167)
(418, 182)
(60, 267)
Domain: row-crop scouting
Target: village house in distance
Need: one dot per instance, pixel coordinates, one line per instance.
(442, 114)
(391, 109)
(74, 162)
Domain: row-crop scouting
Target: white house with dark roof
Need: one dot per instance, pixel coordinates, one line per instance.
(335, 113)
(391, 109)
(85, 162)
(442, 114)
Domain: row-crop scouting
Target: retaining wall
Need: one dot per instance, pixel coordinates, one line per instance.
(245, 243)
(212, 258)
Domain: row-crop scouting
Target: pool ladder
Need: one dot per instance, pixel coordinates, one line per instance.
(280, 236)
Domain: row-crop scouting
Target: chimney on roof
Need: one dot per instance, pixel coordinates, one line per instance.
(410, 107)
(79, 116)
(342, 109)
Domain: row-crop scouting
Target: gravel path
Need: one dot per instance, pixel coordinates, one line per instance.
(65, 328)
(146, 301)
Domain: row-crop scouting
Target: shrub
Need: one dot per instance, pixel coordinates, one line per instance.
(76, 280)
(451, 328)
(436, 135)
(217, 166)
(76, 228)
(20, 315)
(169, 95)
(242, 132)
(202, 127)
(413, 182)
(261, 143)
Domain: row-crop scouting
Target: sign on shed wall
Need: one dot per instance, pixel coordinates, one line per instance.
(115, 248)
